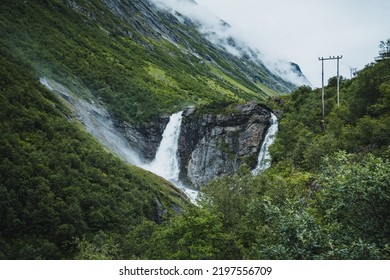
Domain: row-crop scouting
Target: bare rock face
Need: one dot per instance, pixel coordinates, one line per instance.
(212, 145)
(145, 138)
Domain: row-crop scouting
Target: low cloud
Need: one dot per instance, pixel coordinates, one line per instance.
(229, 38)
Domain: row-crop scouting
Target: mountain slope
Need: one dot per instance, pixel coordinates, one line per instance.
(140, 61)
(62, 195)
(60, 191)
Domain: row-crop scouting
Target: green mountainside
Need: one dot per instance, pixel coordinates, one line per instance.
(360, 125)
(61, 193)
(140, 61)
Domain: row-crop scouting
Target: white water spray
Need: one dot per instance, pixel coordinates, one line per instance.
(97, 121)
(264, 159)
(166, 162)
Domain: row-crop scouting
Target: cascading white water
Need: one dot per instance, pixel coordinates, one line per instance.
(166, 162)
(264, 159)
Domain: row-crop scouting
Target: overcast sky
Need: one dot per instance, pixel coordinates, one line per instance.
(303, 30)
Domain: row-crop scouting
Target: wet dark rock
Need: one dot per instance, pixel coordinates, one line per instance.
(212, 145)
(145, 138)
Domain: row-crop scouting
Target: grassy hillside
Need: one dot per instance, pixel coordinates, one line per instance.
(61, 194)
(138, 74)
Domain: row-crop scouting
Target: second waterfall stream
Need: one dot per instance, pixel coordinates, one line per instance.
(264, 159)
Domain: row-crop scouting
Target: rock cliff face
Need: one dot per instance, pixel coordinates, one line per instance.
(212, 145)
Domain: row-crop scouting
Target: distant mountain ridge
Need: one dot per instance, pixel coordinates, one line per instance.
(220, 33)
(183, 30)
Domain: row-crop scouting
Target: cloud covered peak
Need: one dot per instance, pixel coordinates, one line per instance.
(230, 39)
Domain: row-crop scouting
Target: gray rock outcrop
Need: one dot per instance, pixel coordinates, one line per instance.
(212, 145)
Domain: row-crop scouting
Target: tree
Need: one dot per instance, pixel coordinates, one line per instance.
(195, 235)
(354, 203)
(384, 52)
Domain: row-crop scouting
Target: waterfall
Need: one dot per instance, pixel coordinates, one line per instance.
(166, 162)
(264, 159)
(98, 122)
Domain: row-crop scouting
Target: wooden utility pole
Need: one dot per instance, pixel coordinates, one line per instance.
(338, 79)
(338, 82)
(323, 90)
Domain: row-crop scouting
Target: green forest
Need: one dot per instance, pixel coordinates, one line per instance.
(64, 196)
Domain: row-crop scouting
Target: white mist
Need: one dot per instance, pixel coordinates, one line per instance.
(97, 122)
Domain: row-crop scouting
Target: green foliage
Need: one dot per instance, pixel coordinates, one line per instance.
(196, 234)
(100, 248)
(283, 232)
(355, 197)
(360, 124)
(61, 194)
(228, 196)
(340, 213)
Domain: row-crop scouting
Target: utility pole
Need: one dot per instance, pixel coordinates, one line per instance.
(338, 81)
(323, 90)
